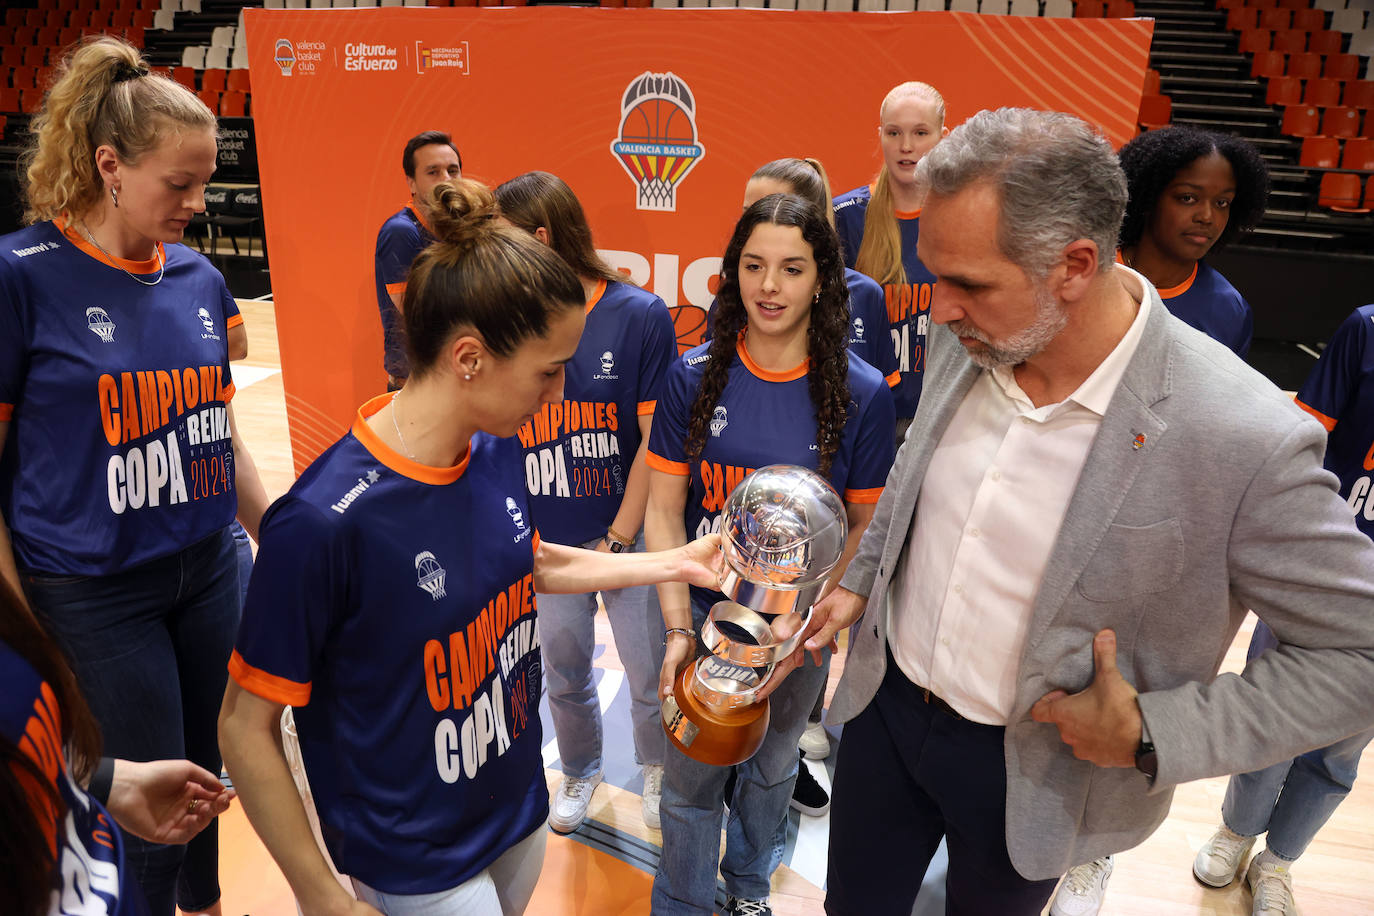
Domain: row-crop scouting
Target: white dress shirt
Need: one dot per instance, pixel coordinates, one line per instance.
(987, 518)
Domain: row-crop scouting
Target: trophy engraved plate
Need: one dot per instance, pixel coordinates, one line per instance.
(783, 529)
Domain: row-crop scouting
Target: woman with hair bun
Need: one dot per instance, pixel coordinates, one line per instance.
(393, 601)
(119, 471)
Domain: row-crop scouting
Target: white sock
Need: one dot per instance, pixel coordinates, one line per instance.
(1267, 857)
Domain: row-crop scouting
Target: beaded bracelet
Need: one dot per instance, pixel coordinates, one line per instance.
(685, 631)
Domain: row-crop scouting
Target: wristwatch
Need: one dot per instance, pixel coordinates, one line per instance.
(1145, 759)
(613, 545)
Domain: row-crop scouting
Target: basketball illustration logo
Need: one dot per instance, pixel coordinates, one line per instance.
(285, 56)
(657, 144)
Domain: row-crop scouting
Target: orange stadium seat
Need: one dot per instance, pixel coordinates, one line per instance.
(1268, 64)
(1120, 9)
(44, 77)
(1320, 153)
(9, 101)
(1262, 4)
(1359, 94)
(186, 76)
(233, 104)
(1309, 20)
(1089, 9)
(1322, 93)
(1155, 111)
(1290, 41)
(1325, 42)
(1241, 18)
(210, 97)
(1341, 122)
(1283, 90)
(1151, 86)
(1342, 67)
(1341, 191)
(1275, 19)
(213, 78)
(1305, 66)
(1255, 40)
(239, 81)
(30, 100)
(1359, 154)
(23, 77)
(1301, 121)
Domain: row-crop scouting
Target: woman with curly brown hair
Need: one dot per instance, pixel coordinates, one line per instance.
(775, 385)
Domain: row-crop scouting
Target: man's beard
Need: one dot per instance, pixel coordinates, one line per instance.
(1050, 319)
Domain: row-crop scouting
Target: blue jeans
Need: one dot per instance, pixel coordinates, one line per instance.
(1293, 799)
(567, 636)
(693, 796)
(150, 647)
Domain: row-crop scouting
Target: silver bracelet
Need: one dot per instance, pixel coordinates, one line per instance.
(685, 631)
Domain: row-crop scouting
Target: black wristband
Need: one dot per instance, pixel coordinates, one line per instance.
(102, 779)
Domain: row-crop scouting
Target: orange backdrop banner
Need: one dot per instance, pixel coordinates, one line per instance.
(655, 117)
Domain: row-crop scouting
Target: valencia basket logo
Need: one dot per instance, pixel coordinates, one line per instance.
(657, 144)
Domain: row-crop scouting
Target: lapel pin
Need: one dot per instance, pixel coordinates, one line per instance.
(1139, 441)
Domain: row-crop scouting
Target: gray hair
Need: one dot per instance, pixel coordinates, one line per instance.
(1058, 177)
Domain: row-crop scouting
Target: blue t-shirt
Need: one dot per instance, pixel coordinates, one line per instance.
(393, 605)
(765, 418)
(1208, 302)
(119, 450)
(403, 236)
(867, 324)
(907, 304)
(578, 453)
(87, 847)
(1340, 393)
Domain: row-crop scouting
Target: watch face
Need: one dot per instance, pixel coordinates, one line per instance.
(615, 546)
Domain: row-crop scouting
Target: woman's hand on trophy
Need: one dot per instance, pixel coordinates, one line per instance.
(701, 561)
(677, 655)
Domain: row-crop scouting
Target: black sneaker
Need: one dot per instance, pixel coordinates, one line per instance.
(807, 795)
(734, 906)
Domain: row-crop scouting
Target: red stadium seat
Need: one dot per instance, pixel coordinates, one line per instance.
(12, 56)
(1283, 90)
(25, 35)
(213, 78)
(1089, 9)
(134, 35)
(239, 81)
(66, 5)
(144, 18)
(1325, 42)
(210, 97)
(14, 16)
(47, 36)
(1322, 93)
(1360, 94)
(1342, 67)
(186, 76)
(1305, 66)
(34, 56)
(23, 77)
(1320, 153)
(1120, 9)
(1301, 121)
(1275, 19)
(69, 35)
(43, 79)
(9, 101)
(1268, 64)
(1241, 18)
(1359, 154)
(1255, 40)
(1340, 191)
(1229, 4)
(1155, 111)
(1151, 82)
(233, 104)
(1262, 4)
(1290, 41)
(1309, 20)
(6, 35)
(36, 17)
(1341, 122)
(30, 100)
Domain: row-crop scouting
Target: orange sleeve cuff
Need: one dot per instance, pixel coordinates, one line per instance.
(229, 390)
(893, 379)
(646, 408)
(865, 497)
(268, 686)
(536, 541)
(658, 463)
(6, 412)
(234, 321)
(1322, 418)
(396, 288)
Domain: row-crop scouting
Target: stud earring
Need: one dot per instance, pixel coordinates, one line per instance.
(467, 376)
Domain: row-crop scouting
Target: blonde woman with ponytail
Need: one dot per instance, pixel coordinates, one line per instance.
(879, 224)
(393, 601)
(119, 471)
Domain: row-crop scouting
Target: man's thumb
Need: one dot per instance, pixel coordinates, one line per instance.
(1104, 653)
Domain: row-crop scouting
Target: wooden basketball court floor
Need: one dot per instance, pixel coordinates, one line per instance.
(606, 868)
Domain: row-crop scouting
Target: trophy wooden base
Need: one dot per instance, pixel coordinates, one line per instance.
(717, 737)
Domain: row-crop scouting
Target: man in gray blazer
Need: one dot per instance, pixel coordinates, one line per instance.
(1089, 499)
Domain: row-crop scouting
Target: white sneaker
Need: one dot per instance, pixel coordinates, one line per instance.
(815, 743)
(1272, 886)
(569, 807)
(1222, 857)
(1082, 890)
(653, 792)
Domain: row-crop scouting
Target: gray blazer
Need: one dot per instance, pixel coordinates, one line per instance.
(1225, 507)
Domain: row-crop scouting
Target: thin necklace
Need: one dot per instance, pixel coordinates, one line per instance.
(397, 426)
(162, 265)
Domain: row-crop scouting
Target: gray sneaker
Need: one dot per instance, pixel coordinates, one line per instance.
(653, 793)
(1083, 888)
(569, 808)
(1222, 857)
(1272, 887)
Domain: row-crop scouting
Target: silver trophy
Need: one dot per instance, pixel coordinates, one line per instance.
(783, 529)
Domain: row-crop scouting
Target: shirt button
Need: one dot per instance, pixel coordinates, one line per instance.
(974, 532)
(944, 641)
(1025, 420)
(996, 474)
(958, 589)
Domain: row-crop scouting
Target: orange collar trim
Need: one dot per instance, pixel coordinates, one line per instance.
(789, 375)
(1182, 288)
(150, 266)
(415, 208)
(395, 460)
(596, 295)
(907, 214)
